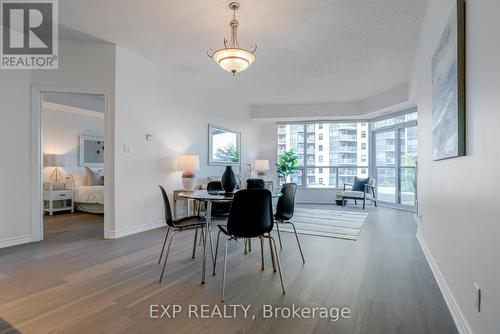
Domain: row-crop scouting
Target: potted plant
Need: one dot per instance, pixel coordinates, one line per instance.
(287, 165)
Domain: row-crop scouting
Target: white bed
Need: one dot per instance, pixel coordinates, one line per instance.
(89, 199)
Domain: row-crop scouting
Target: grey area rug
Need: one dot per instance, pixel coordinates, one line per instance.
(327, 223)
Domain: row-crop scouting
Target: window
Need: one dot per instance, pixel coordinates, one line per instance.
(338, 158)
(395, 120)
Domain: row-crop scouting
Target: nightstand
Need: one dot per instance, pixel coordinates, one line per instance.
(56, 197)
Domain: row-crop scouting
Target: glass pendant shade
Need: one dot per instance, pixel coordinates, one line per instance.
(233, 60)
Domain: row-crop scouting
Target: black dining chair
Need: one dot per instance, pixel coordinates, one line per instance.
(285, 210)
(253, 184)
(251, 216)
(218, 209)
(173, 227)
(256, 184)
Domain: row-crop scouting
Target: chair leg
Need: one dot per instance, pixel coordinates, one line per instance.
(166, 255)
(356, 202)
(202, 236)
(298, 242)
(216, 252)
(249, 244)
(364, 202)
(224, 271)
(272, 252)
(164, 242)
(211, 245)
(261, 253)
(279, 234)
(194, 243)
(245, 242)
(279, 264)
(375, 203)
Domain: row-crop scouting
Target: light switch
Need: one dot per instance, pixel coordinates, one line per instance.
(127, 148)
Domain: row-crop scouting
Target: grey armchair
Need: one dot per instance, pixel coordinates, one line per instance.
(367, 194)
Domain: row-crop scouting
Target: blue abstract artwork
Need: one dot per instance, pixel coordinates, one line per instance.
(448, 139)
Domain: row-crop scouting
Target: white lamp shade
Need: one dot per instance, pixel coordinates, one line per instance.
(233, 60)
(54, 160)
(188, 163)
(262, 165)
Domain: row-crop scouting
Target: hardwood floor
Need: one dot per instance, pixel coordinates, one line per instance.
(77, 282)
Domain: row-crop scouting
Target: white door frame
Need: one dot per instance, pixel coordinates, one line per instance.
(36, 157)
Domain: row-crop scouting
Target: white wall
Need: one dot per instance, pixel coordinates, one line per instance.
(15, 163)
(175, 107)
(61, 131)
(459, 197)
(82, 65)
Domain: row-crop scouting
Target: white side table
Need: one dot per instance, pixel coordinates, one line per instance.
(56, 197)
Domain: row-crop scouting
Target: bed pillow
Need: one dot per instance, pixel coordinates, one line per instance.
(78, 179)
(94, 177)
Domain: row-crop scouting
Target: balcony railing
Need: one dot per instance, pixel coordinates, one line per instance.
(348, 137)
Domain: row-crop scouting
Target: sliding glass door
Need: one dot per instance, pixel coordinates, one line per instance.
(395, 148)
(385, 165)
(407, 165)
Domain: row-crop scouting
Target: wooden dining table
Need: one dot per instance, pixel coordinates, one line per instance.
(209, 198)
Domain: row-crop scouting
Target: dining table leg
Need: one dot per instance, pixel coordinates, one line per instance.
(208, 216)
(272, 252)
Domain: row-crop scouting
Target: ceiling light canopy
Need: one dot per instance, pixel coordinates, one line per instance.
(232, 58)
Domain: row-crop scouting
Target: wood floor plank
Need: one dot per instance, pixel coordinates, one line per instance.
(77, 282)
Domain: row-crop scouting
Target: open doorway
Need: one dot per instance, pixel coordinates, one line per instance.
(71, 159)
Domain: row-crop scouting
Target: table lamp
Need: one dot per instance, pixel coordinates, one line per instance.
(261, 166)
(57, 161)
(188, 163)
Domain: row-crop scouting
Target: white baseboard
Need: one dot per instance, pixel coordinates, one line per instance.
(456, 313)
(136, 229)
(313, 202)
(14, 241)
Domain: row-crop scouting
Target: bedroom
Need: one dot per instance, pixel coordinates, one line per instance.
(73, 164)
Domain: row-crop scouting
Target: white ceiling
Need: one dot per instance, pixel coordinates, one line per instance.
(308, 50)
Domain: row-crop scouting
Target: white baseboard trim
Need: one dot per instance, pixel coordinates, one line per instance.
(14, 241)
(456, 313)
(136, 229)
(313, 202)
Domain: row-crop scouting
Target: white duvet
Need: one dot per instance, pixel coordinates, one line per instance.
(90, 194)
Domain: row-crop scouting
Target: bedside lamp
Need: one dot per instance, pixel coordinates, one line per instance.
(261, 166)
(188, 163)
(57, 161)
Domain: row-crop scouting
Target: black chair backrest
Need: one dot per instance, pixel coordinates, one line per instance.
(256, 184)
(214, 186)
(251, 213)
(168, 211)
(286, 202)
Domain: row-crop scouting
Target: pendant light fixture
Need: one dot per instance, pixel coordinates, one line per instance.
(232, 58)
